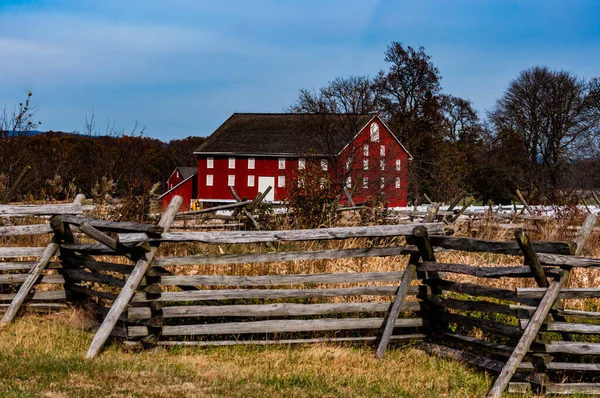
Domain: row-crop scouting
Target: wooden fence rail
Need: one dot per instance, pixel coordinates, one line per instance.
(148, 301)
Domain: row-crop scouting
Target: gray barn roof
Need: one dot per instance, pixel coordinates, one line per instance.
(284, 134)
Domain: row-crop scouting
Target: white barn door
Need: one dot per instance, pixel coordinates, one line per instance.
(264, 183)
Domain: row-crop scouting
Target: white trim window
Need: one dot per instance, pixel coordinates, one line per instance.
(374, 132)
(366, 164)
(251, 163)
(348, 182)
(209, 180)
(300, 181)
(324, 164)
(382, 164)
(232, 163)
(366, 150)
(281, 163)
(382, 150)
(381, 182)
(397, 182)
(365, 182)
(230, 180)
(301, 164)
(210, 163)
(398, 165)
(281, 181)
(250, 181)
(348, 163)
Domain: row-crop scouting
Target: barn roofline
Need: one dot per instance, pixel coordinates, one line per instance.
(268, 155)
(177, 186)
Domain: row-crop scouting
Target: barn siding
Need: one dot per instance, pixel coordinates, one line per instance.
(268, 167)
(187, 191)
(263, 167)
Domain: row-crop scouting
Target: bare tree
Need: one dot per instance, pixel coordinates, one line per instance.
(552, 117)
(354, 94)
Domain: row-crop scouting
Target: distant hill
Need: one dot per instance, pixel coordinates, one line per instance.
(32, 132)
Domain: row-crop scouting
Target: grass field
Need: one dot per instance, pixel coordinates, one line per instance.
(43, 356)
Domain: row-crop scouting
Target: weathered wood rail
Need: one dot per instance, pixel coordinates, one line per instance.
(525, 335)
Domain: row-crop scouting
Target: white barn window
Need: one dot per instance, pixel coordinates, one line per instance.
(250, 181)
(374, 132)
(365, 182)
(366, 164)
(349, 182)
(210, 163)
(281, 181)
(324, 164)
(397, 182)
(348, 163)
(381, 182)
(366, 150)
(232, 163)
(398, 164)
(281, 164)
(209, 180)
(231, 180)
(301, 164)
(382, 150)
(382, 164)
(250, 163)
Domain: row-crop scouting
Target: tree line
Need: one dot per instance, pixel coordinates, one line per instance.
(541, 136)
(93, 162)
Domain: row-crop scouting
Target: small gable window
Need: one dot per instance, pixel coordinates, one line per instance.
(210, 163)
(250, 163)
(398, 164)
(232, 163)
(374, 132)
(281, 164)
(324, 164)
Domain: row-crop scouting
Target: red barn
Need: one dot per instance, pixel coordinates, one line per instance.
(183, 182)
(252, 151)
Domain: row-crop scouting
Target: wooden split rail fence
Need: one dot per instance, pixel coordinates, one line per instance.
(526, 335)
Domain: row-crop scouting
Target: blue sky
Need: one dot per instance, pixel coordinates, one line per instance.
(181, 67)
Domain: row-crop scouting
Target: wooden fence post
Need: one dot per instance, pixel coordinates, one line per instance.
(529, 335)
(132, 284)
(9, 194)
(244, 209)
(526, 206)
(395, 310)
(531, 258)
(584, 233)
